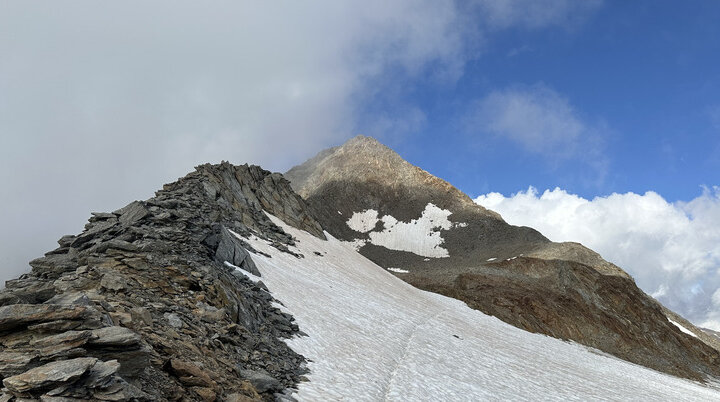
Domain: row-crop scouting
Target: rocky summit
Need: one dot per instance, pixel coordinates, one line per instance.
(436, 238)
(147, 304)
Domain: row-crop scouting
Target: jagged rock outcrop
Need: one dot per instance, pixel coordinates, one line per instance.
(142, 305)
(434, 237)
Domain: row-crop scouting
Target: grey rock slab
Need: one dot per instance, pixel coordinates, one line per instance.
(100, 216)
(92, 231)
(121, 391)
(75, 338)
(113, 281)
(71, 298)
(115, 244)
(100, 374)
(174, 320)
(55, 326)
(261, 381)
(131, 213)
(66, 240)
(231, 250)
(114, 336)
(28, 292)
(51, 374)
(16, 315)
(55, 263)
(13, 363)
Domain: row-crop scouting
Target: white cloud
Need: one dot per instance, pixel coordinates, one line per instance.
(671, 249)
(102, 102)
(541, 121)
(537, 118)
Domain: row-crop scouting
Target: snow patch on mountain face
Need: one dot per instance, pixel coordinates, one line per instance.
(250, 276)
(399, 270)
(682, 328)
(363, 222)
(373, 337)
(419, 236)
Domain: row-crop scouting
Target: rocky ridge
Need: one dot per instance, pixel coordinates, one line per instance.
(146, 304)
(562, 290)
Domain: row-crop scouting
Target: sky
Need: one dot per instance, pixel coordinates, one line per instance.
(601, 103)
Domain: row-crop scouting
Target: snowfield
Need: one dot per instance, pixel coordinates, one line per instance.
(420, 236)
(372, 337)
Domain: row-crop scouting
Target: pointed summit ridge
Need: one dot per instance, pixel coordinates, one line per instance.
(365, 159)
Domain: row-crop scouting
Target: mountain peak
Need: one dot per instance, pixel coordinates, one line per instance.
(365, 140)
(365, 159)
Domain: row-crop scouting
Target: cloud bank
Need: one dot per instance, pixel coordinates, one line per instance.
(537, 118)
(671, 249)
(101, 103)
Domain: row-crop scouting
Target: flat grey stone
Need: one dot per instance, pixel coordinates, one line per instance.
(132, 213)
(51, 374)
(261, 381)
(114, 336)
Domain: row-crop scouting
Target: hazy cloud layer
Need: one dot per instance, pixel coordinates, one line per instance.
(713, 113)
(541, 121)
(103, 102)
(537, 13)
(537, 118)
(671, 249)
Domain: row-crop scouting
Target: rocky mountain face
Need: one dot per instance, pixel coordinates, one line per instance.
(436, 238)
(146, 303)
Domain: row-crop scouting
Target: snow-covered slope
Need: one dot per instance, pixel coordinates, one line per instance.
(373, 337)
